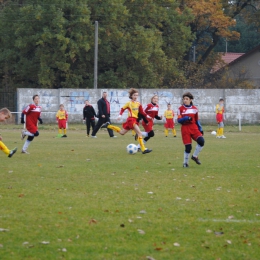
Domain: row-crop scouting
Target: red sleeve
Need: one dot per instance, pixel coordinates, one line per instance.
(27, 109)
(122, 111)
(141, 111)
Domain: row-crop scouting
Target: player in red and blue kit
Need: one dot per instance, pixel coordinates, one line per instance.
(33, 113)
(152, 110)
(191, 128)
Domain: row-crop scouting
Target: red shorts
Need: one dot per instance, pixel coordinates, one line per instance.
(149, 126)
(219, 118)
(189, 132)
(62, 123)
(169, 123)
(130, 122)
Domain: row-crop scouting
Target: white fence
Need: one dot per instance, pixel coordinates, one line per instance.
(238, 102)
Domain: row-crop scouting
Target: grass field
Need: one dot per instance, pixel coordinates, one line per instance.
(85, 198)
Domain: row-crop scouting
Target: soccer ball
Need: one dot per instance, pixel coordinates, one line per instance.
(131, 149)
(213, 132)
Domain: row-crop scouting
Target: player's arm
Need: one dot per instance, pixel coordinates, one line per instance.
(184, 119)
(158, 117)
(40, 120)
(67, 116)
(199, 126)
(141, 111)
(22, 118)
(218, 108)
(84, 114)
(198, 123)
(94, 112)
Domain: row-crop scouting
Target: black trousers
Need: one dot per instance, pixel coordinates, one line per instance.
(100, 122)
(90, 122)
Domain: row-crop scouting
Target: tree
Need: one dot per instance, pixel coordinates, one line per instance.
(249, 38)
(45, 45)
(52, 44)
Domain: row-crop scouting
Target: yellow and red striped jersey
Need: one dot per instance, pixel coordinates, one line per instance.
(62, 114)
(133, 107)
(220, 109)
(169, 114)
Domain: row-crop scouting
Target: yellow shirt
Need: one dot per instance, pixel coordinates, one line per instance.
(132, 107)
(169, 114)
(219, 109)
(62, 114)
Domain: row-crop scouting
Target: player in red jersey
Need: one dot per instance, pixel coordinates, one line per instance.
(191, 128)
(152, 110)
(33, 113)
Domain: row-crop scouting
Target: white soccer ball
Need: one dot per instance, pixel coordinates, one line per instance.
(131, 149)
(213, 132)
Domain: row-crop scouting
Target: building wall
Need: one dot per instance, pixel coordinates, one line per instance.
(237, 101)
(251, 67)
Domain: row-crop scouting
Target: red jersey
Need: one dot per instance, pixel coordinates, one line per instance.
(152, 110)
(190, 129)
(190, 111)
(32, 113)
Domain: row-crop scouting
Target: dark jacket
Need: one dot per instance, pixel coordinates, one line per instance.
(89, 112)
(102, 108)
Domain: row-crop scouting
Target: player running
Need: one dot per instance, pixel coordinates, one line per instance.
(190, 129)
(152, 110)
(133, 107)
(33, 113)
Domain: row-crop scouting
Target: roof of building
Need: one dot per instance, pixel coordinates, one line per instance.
(227, 58)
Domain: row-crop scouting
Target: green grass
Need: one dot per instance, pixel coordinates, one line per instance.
(86, 197)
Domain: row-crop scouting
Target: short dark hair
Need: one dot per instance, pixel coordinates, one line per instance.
(188, 94)
(34, 96)
(221, 99)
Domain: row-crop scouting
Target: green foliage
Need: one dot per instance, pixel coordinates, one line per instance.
(51, 45)
(249, 38)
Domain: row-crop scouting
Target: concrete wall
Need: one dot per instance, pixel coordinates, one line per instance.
(237, 101)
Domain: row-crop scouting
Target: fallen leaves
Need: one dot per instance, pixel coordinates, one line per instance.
(60, 166)
(92, 221)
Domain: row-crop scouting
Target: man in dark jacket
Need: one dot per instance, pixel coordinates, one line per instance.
(89, 115)
(103, 115)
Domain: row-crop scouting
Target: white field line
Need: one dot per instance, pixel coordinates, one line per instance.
(229, 220)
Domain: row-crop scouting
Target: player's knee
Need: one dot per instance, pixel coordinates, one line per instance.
(201, 141)
(188, 148)
(30, 138)
(36, 133)
(151, 133)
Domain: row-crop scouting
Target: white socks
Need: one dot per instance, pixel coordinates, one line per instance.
(26, 145)
(145, 134)
(28, 133)
(197, 150)
(186, 157)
